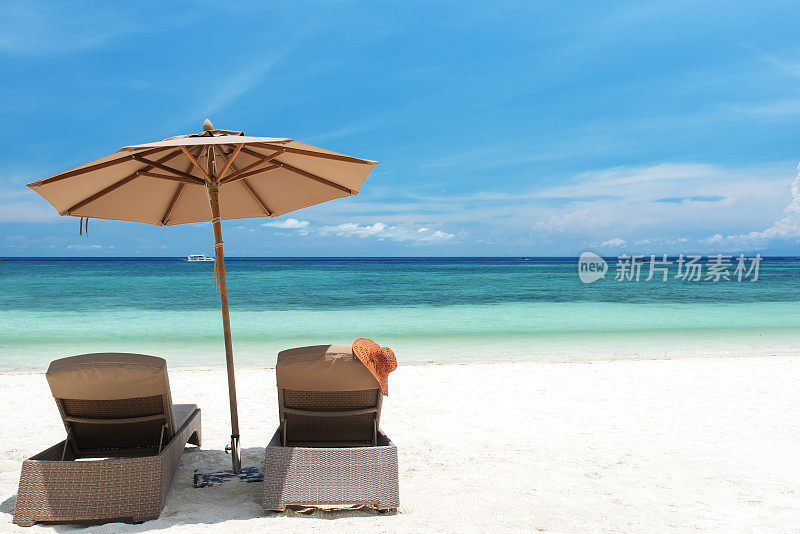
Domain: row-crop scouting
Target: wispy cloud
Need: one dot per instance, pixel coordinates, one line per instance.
(386, 119)
(382, 231)
(238, 84)
(788, 66)
(616, 242)
(28, 212)
(34, 28)
(350, 129)
(20, 204)
(287, 224)
(485, 158)
(25, 206)
(779, 109)
(22, 242)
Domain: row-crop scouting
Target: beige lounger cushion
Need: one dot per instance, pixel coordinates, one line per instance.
(322, 368)
(111, 376)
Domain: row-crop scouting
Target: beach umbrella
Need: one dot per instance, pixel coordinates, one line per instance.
(209, 176)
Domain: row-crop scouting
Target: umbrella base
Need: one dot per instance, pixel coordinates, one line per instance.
(235, 450)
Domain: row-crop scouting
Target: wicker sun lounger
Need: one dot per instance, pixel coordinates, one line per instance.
(124, 442)
(329, 449)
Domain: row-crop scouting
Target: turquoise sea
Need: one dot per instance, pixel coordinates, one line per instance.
(428, 310)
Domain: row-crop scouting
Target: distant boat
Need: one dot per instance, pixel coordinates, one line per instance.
(523, 259)
(198, 257)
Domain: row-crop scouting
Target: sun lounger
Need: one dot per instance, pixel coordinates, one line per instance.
(124, 442)
(329, 449)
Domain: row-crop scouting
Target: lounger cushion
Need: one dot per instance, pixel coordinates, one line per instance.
(322, 368)
(110, 376)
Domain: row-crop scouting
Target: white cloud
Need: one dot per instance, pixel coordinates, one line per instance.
(353, 229)
(786, 227)
(616, 242)
(672, 205)
(561, 223)
(717, 238)
(84, 247)
(381, 231)
(435, 237)
(667, 204)
(287, 224)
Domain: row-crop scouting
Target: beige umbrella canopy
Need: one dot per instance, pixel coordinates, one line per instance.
(214, 175)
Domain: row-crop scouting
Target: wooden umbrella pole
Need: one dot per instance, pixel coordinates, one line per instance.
(213, 196)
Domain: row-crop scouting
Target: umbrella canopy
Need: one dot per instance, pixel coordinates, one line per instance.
(163, 183)
(210, 176)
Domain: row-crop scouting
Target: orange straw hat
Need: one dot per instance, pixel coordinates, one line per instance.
(379, 360)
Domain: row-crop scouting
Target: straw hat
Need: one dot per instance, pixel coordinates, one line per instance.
(379, 360)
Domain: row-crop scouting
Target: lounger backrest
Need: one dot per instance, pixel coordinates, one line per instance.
(326, 396)
(113, 402)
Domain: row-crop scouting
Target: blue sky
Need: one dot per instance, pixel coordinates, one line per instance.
(502, 128)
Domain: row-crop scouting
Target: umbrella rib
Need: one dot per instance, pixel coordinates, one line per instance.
(167, 168)
(243, 175)
(90, 168)
(255, 196)
(118, 184)
(211, 161)
(301, 171)
(259, 155)
(255, 154)
(232, 165)
(99, 194)
(229, 162)
(324, 155)
(198, 181)
(262, 159)
(172, 203)
(194, 162)
(319, 179)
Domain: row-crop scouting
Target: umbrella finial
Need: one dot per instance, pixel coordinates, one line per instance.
(207, 126)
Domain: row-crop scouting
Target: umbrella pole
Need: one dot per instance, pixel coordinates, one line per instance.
(219, 258)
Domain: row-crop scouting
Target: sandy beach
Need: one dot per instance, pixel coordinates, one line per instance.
(609, 446)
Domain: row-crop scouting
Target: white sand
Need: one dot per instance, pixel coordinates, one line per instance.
(613, 446)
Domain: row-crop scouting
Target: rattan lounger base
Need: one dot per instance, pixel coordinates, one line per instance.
(330, 475)
(129, 490)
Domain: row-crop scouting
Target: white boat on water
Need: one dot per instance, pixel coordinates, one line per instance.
(198, 257)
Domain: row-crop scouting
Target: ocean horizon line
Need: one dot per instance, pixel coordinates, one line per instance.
(339, 258)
